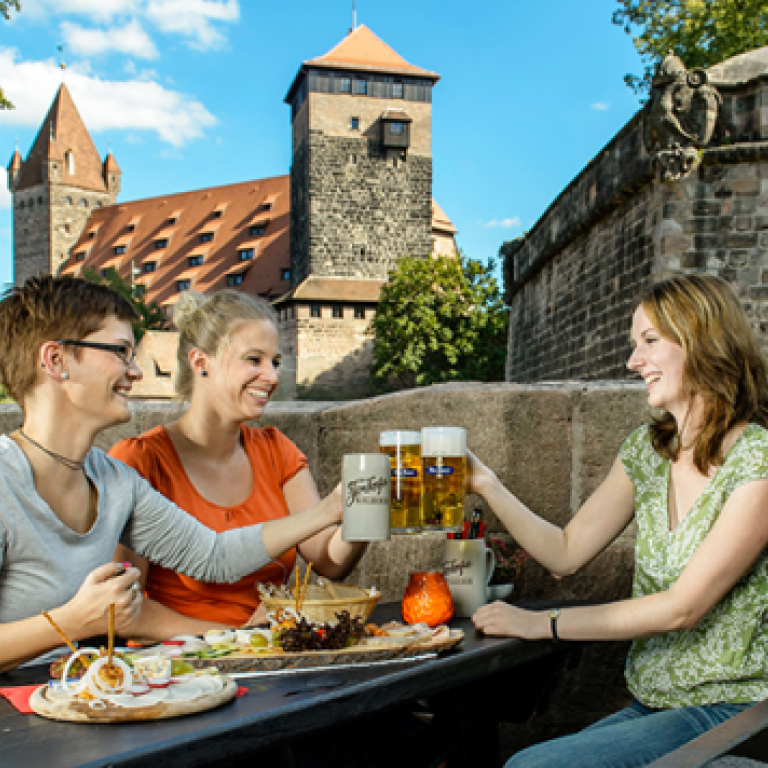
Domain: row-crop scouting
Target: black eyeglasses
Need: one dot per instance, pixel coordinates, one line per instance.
(126, 352)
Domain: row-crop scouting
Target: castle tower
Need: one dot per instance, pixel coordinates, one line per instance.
(361, 176)
(55, 189)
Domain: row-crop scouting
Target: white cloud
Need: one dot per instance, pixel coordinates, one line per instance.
(96, 10)
(5, 195)
(103, 104)
(192, 19)
(504, 223)
(601, 106)
(130, 39)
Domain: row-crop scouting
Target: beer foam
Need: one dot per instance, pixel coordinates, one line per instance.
(443, 441)
(397, 437)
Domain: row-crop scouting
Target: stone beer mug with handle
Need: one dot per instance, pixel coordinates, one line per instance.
(365, 488)
(468, 567)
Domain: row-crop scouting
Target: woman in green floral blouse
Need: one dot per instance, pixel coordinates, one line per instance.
(696, 482)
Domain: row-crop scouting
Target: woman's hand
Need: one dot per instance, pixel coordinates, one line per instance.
(110, 583)
(333, 505)
(478, 475)
(507, 620)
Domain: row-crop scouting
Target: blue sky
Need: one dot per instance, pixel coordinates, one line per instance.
(189, 93)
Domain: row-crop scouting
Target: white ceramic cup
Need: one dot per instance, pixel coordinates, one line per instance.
(365, 488)
(468, 567)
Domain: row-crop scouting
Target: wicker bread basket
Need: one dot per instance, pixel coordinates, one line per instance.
(322, 603)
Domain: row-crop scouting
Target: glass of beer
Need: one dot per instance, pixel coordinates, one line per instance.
(443, 470)
(404, 451)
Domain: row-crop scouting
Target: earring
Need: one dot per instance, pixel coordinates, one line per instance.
(64, 376)
(203, 373)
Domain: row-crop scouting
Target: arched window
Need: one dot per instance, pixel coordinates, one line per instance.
(84, 203)
(68, 201)
(69, 159)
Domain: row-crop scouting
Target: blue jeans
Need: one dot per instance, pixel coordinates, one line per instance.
(633, 737)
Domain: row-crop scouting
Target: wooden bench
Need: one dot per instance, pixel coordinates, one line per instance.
(745, 735)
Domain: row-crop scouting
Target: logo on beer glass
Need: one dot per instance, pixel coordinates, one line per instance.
(362, 490)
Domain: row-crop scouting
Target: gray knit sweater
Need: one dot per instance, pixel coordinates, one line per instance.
(43, 562)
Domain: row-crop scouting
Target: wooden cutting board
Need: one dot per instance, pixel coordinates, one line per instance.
(80, 712)
(357, 654)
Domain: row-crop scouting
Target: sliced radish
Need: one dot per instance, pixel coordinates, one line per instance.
(139, 689)
(158, 682)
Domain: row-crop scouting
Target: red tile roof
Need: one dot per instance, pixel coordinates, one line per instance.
(63, 131)
(232, 234)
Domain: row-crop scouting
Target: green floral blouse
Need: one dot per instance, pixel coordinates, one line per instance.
(724, 658)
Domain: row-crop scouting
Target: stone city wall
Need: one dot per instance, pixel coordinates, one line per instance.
(550, 444)
(571, 283)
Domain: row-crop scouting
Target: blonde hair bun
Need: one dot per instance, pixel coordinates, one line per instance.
(188, 303)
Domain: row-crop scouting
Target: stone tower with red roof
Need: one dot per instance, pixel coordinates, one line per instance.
(55, 189)
(361, 177)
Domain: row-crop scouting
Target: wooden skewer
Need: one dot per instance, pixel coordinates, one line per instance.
(61, 633)
(304, 591)
(111, 635)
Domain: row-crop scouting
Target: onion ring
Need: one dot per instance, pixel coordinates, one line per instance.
(81, 683)
(95, 684)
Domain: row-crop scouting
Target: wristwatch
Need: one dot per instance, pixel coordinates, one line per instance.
(553, 616)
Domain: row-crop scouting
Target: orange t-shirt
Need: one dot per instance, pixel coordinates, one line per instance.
(274, 460)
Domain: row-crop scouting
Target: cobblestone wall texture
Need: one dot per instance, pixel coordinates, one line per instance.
(355, 210)
(572, 283)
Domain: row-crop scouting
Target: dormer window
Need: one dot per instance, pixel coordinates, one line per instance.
(148, 266)
(285, 274)
(195, 261)
(80, 255)
(246, 254)
(233, 280)
(206, 237)
(119, 249)
(258, 229)
(183, 285)
(161, 243)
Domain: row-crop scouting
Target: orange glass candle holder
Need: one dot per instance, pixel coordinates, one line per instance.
(427, 599)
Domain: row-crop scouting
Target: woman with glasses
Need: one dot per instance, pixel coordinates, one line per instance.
(67, 357)
(223, 471)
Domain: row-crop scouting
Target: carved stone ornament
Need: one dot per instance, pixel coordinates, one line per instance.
(681, 117)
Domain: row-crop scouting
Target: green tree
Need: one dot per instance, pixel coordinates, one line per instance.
(151, 316)
(439, 319)
(700, 32)
(5, 8)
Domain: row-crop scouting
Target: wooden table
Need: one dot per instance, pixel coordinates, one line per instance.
(280, 707)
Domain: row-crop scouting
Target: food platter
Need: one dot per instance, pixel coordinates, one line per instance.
(78, 711)
(364, 653)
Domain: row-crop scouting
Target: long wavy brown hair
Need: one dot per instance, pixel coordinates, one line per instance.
(723, 363)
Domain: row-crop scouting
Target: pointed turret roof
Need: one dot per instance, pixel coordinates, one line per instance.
(361, 50)
(110, 164)
(15, 161)
(63, 131)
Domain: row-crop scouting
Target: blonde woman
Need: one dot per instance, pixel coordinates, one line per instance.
(67, 357)
(224, 472)
(696, 482)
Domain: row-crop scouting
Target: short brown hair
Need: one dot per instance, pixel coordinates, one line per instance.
(45, 309)
(723, 363)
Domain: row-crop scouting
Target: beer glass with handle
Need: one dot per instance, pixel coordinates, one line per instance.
(404, 450)
(444, 468)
